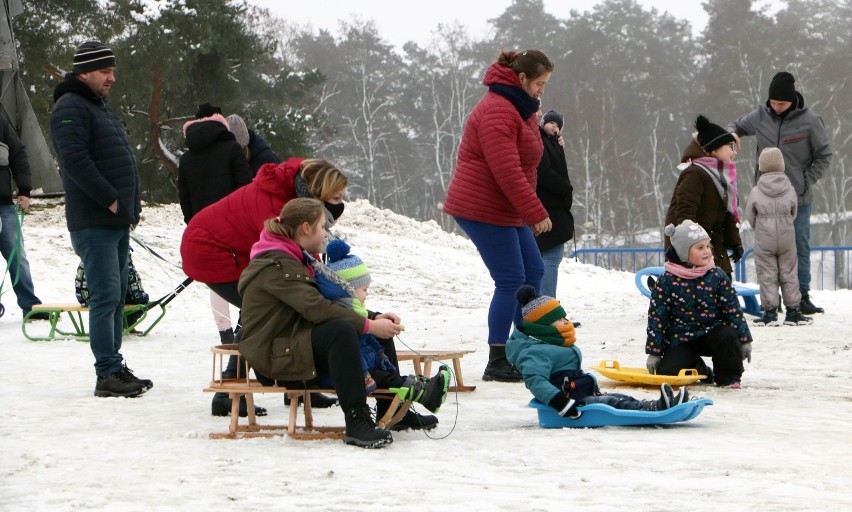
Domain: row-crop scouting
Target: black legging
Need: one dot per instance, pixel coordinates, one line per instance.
(721, 343)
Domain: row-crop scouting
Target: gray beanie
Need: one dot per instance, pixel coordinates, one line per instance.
(238, 128)
(771, 160)
(685, 236)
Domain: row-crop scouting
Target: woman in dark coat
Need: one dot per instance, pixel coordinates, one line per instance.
(706, 191)
(557, 195)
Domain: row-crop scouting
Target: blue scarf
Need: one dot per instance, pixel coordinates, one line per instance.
(527, 105)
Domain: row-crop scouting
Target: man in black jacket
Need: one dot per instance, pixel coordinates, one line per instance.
(101, 203)
(15, 164)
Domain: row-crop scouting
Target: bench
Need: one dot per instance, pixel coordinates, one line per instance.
(247, 387)
(746, 292)
(75, 314)
(422, 360)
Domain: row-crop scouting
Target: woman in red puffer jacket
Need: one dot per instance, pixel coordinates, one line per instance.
(492, 194)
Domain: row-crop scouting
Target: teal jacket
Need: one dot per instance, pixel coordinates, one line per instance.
(537, 361)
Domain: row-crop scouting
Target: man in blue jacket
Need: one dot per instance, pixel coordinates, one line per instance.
(101, 204)
(785, 123)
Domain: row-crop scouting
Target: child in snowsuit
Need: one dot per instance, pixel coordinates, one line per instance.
(545, 353)
(345, 280)
(694, 312)
(353, 271)
(771, 209)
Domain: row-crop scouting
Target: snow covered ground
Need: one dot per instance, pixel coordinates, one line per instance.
(781, 443)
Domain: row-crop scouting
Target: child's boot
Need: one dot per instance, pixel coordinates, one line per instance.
(682, 396)
(795, 317)
(430, 393)
(769, 318)
(666, 398)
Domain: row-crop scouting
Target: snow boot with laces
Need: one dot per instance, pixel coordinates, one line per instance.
(361, 430)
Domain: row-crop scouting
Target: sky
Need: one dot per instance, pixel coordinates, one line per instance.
(401, 21)
(779, 444)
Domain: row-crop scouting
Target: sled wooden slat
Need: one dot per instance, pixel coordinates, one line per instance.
(247, 387)
(422, 361)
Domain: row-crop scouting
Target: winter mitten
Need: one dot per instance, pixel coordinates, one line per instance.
(566, 407)
(745, 350)
(736, 253)
(653, 364)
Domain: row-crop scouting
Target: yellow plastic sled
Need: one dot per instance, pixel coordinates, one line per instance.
(640, 376)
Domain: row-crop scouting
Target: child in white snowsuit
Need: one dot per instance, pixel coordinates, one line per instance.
(544, 351)
(771, 209)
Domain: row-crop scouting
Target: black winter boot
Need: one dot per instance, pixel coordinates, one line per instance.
(226, 337)
(808, 307)
(498, 367)
(361, 429)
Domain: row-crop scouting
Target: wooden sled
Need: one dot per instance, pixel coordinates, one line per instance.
(600, 415)
(247, 387)
(422, 361)
(640, 376)
(747, 293)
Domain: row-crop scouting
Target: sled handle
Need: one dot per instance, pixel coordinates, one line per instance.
(610, 364)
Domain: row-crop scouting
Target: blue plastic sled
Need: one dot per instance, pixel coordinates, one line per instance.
(600, 415)
(745, 291)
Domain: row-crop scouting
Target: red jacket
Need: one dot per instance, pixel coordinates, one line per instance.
(216, 244)
(495, 179)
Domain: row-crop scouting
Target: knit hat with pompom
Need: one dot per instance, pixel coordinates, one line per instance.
(540, 311)
(684, 236)
(346, 265)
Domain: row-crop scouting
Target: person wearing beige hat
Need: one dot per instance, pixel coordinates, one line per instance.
(771, 209)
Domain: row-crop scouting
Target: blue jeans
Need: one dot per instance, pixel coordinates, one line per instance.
(802, 225)
(513, 259)
(104, 252)
(552, 258)
(19, 267)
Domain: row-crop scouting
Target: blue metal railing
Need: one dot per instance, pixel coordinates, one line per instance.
(832, 262)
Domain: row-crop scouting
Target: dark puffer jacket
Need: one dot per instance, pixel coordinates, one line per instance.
(556, 193)
(95, 159)
(18, 166)
(696, 198)
(213, 167)
(260, 153)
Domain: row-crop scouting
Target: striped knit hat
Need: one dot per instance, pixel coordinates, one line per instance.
(92, 56)
(542, 310)
(348, 266)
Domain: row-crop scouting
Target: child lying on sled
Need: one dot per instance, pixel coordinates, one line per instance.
(544, 351)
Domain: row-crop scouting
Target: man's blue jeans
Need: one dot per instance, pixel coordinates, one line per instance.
(19, 267)
(552, 258)
(802, 225)
(104, 252)
(513, 259)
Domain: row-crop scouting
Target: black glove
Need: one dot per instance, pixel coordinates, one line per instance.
(737, 253)
(564, 406)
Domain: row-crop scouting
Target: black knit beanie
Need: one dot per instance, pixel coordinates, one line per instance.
(782, 87)
(92, 56)
(711, 136)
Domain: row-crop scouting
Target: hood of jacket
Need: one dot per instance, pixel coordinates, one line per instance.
(279, 179)
(774, 184)
(692, 151)
(202, 133)
(73, 84)
(795, 109)
(497, 74)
